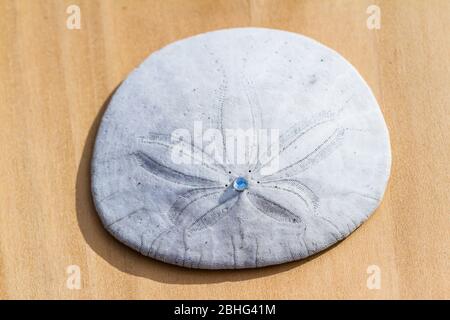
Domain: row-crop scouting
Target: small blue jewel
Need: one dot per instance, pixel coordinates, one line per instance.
(240, 184)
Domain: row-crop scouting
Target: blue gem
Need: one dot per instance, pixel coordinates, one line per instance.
(240, 184)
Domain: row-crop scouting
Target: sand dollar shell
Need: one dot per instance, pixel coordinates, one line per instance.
(313, 166)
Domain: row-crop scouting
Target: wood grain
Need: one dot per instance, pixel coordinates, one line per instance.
(54, 83)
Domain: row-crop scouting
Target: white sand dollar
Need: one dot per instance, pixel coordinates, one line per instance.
(171, 179)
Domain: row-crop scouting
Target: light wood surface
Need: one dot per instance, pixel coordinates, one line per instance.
(53, 86)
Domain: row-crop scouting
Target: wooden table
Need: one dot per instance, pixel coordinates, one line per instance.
(54, 82)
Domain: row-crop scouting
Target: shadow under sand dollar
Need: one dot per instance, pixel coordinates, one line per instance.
(126, 259)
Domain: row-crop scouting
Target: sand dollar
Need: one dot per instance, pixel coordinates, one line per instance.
(239, 148)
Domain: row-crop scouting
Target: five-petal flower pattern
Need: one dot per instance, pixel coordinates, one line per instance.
(209, 199)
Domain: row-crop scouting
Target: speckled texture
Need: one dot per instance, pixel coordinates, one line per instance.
(334, 152)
